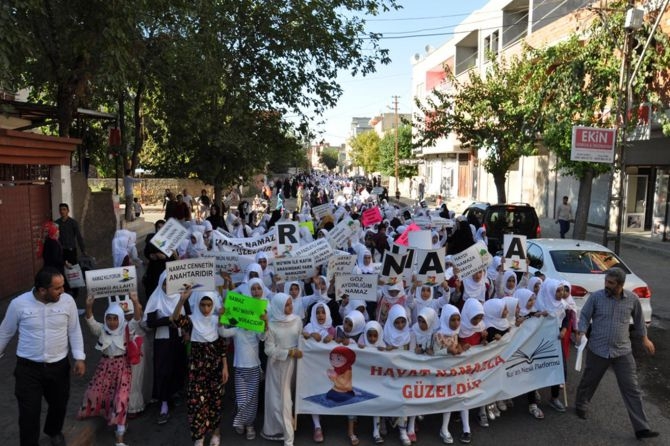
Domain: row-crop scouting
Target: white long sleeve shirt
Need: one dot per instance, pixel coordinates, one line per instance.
(246, 346)
(45, 330)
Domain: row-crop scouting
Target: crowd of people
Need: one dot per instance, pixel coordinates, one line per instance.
(190, 349)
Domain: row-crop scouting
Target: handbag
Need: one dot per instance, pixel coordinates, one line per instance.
(133, 348)
(74, 276)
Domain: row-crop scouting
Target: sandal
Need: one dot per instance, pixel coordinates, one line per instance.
(353, 439)
(318, 435)
(378, 439)
(215, 440)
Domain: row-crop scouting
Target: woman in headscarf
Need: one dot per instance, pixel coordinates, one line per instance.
(169, 352)
(207, 364)
(120, 248)
(364, 264)
(216, 218)
(267, 273)
(50, 249)
(461, 239)
(284, 329)
(196, 247)
(480, 236)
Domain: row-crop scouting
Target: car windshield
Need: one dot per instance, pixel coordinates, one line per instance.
(585, 262)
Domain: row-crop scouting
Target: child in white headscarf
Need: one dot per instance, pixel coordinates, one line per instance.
(108, 392)
(390, 295)
(196, 248)
(497, 325)
(445, 342)
(351, 329)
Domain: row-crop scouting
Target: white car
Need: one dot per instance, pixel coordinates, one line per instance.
(583, 263)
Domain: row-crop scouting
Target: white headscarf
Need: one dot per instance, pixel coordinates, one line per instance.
(524, 295)
(448, 310)
(277, 305)
(314, 326)
(393, 336)
(257, 281)
(357, 321)
(492, 270)
(532, 282)
(117, 337)
(161, 302)
(471, 308)
(509, 274)
(493, 310)
(204, 327)
(512, 303)
(473, 289)
(366, 269)
(546, 300)
(481, 236)
(376, 326)
(355, 304)
(197, 249)
(423, 338)
(120, 245)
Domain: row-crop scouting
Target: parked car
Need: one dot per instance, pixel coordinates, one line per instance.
(476, 208)
(511, 218)
(582, 264)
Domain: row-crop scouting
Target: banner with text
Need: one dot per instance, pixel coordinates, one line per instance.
(319, 250)
(246, 245)
(342, 232)
(196, 273)
(111, 281)
(402, 383)
(290, 268)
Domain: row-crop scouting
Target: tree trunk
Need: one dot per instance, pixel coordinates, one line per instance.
(499, 181)
(139, 129)
(65, 108)
(583, 204)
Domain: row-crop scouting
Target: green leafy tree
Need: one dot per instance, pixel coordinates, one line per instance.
(365, 150)
(405, 152)
(576, 83)
(329, 157)
(485, 112)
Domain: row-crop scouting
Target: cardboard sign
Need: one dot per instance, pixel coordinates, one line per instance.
(170, 236)
(342, 232)
(319, 250)
(228, 262)
(423, 222)
(431, 266)
(404, 237)
(514, 252)
(393, 267)
(124, 302)
(441, 222)
(340, 264)
(371, 216)
(473, 259)
(198, 273)
(290, 268)
(111, 281)
(422, 239)
(357, 286)
(321, 210)
(309, 225)
(244, 312)
(288, 238)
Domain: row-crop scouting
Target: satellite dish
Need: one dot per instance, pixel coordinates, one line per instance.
(429, 49)
(416, 57)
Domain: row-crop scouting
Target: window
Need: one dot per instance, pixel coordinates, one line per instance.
(535, 257)
(586, 262)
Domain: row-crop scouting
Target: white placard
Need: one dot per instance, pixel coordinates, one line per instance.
(430, 266)
(357, 286)
(422, 239)
(342, 232)
(321, 210)
(319, 250)
(170, 236)
(393, 267)
(473, 259)
(291, 268)
(228, 262)
(340, 264)
(288, 238)
(111, 281)
(246, 245)
(196, 273)
(514, 252)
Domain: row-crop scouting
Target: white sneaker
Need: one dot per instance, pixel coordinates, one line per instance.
(482, 420)
(557, 405)
(502, 405)
(536, 411)
(404, 439)
(446, 437)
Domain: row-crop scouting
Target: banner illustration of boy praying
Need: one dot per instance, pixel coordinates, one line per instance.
(341, 360)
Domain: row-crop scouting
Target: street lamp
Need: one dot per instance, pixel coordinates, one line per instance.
(395, 111)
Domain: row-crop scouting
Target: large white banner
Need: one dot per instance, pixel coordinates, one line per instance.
(248, 246)
(402, 383)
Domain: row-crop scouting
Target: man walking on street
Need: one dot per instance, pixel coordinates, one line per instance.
(609, 312)
(564, 216)
(47, 322)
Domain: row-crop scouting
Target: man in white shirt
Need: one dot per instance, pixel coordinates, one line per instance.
(48, 323)
(564, 216)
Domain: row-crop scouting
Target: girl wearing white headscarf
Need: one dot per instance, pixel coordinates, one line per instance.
(207, 364)
(551, 300)
(169, 353)
(445, 342)
(196, 248)
(373, 336)
(423, 296)
(108, 392)
(354, 304)
(534, 284)
(281, 343)
(364, 265)
(352, 326)
(474, 287)
(390, 295)
(495, 319)
(422, 331)
(507, 285)
(124, 249)
(320, 325)
(247, 365)
(254, 270)
(480, 236)
(267, 273)
(526, 303)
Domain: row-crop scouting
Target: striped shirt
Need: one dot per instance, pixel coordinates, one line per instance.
(610, 319)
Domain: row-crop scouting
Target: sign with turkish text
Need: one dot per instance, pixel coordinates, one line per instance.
(170, 236)
(321, 210)
(430, 266)
(319, 250)
(290, 268)
(288, 238)
(593, 144)
(340, 264)
(198, 274)
(244, 312)
(356, 286)
(371, 216)
(111, 281)
(473, 259)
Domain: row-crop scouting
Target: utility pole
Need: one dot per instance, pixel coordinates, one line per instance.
(395, 110)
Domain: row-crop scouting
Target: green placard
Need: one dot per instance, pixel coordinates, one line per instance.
(244, 312)
(309, 225)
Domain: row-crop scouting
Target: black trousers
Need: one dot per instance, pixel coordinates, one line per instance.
(36, 380)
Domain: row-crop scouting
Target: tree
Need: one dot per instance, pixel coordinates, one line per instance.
(386, 163)
(485, 112)
(575, 83)
(60, 51)
(329, 157)
(365, 150)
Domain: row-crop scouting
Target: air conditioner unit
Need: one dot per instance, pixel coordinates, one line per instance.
(634, 18)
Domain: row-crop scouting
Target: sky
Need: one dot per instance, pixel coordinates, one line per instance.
(406, 32)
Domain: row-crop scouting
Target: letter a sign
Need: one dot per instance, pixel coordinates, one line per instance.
(515, 252)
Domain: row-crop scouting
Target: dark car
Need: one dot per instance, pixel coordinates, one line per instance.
(512, 218)
(476, 209)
